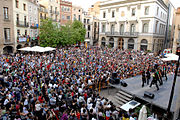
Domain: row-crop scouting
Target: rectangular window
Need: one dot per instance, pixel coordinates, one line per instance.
(156, 27)
(7, 34)
(55, 9)
(103, 28)
(68, 17)
(146, 12)
(88, 34)
(157, 10)
(89, 27)
(104, 14)
(17, 18)
(56, 17)
(133, 12)
(24, 7)
(63, 17)
(18, 32)
(79, 18)
(44, 16)
(87, 21)
(25, 33)
(17, 3)
(41, 16)
(74, 16)
(113, 14)
(5, 9)
(84, 20)
(51, 9)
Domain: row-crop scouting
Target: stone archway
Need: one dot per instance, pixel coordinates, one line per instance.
(131, 43)
(144, 44)
(7, 50)
(121, 43)
(103, 42)
(19, 46)
(111, 42)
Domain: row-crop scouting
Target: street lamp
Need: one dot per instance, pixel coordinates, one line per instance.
(174, 82)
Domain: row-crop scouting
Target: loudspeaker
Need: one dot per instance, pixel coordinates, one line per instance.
(123, 83)
(114, 81)
(149, 95)
(114, 75)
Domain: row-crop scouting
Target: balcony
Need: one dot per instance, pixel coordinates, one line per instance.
(34, 26)
(8, 42)
(6, 19)
(178, 27)
(56, 12)
(122, 34)
(22, 24)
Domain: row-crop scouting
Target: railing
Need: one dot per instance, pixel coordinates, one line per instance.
(56, 12)
(8, 42)
(22, 24)
(45, 10)
(34, 26)
(41, 10)
(123, 34)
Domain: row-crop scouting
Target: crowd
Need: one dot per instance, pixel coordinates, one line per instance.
(63, 85)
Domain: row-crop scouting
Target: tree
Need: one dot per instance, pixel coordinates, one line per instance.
(51, 35)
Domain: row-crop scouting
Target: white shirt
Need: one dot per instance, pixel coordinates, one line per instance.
(38, 107)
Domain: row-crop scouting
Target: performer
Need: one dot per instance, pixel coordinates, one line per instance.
(157, 75)
(160, 76)
(143, 78)
(164, 72)
(154, 80)
(148, 76)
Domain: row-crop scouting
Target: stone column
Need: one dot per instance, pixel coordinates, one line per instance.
(115, 42)
(136, 45)
(107, 41)
(125, 43)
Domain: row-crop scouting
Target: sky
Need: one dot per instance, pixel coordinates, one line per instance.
(85, 4)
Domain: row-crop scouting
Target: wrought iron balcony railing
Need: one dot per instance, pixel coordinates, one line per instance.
(22, 24)
(123, 34)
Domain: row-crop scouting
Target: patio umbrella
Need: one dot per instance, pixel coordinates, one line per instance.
(143, 113)
(49, 48)
(25, 49)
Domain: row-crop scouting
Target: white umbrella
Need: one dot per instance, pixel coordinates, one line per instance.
(25, 49)
(171, 55)
(49, 48)
(143, 113)
(172, 58)
(38, 49)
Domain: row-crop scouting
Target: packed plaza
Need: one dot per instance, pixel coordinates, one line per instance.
(64, 84)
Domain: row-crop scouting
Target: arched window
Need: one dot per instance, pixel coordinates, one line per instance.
(145, 28)
(131, 43)
(133, 28)
(121, 29)
(144, 44)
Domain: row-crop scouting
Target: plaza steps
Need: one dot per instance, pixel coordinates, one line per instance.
(122, 97)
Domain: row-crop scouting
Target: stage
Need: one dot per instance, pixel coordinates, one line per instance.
(162, 96)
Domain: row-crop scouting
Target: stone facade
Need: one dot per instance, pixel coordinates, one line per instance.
(7, 41)
(133, 24)
(65, 12)
(77, 13)
(176, 41)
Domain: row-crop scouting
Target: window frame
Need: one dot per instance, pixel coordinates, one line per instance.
(6, 33)
(133, 12)
(6, 13)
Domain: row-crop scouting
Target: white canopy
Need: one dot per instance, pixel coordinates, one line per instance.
(37, 49)
(170, 57)
(25, 49)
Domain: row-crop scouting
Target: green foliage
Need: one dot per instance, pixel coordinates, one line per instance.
(51, 35)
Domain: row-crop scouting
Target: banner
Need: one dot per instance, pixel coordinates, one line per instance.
(22, 39)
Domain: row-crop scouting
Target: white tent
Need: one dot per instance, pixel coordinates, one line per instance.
(170, 57)
(143, 113)
(25, 49)
(49, 48)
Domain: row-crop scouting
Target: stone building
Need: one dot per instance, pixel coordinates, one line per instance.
(7, 41)
(65, 12)
(77, 12)
(176, 41)
(133, 24)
